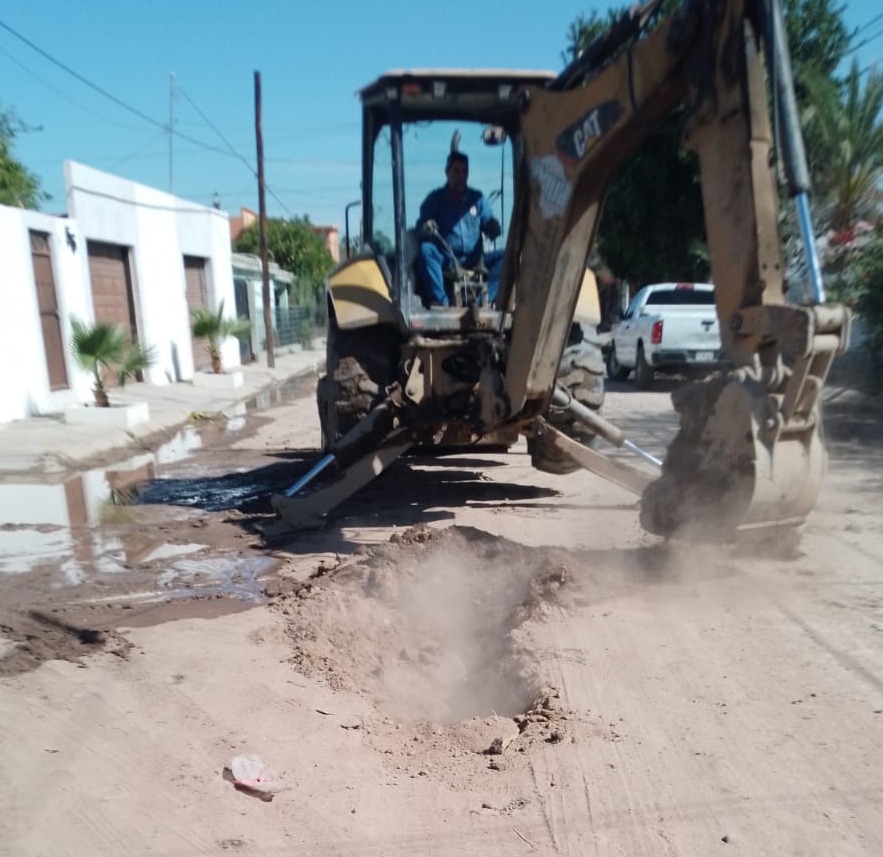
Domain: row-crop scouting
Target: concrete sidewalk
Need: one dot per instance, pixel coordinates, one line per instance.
(47, 444)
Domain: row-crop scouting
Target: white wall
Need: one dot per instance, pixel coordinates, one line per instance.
(209, 237)
(160, 229)
(23, 375)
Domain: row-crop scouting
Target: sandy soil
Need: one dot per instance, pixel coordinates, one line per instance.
(476, 659)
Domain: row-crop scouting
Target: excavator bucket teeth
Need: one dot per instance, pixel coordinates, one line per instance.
(735, 464)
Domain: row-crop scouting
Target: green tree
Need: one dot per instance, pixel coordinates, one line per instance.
(585, 29)
(850, 128)
(295, 247)
(867, 271)
(653, 225)
(382, 244)
(817, 38)
(18, 186)
(653, 222)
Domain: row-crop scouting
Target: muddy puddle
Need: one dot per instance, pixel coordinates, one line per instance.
(78, 525)
(142, 530)
(294, 388)
(149, 538)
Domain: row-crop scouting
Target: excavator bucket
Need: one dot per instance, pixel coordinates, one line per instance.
(750, 452)
(728, 471)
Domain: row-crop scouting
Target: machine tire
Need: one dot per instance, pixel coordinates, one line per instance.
(643, 370)
(615, 370)
(581, 373)
(360, 365)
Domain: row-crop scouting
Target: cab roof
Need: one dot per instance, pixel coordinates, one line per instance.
(482, 78)
(481, 94)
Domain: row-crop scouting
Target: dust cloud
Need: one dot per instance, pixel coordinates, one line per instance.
(436, 625)
(429, 626)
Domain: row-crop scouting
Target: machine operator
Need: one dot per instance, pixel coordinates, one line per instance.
(460, 215)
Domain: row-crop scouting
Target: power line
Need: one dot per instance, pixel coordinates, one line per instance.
(141, 115)
(59, 93)
(867, 25)
(118, 163)
(861, 29)
(101, 91)
(232, 150)
(313, 162)
(179, 209)
(864, 42)
(306, 134)
(208, 122)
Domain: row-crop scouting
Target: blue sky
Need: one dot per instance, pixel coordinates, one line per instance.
(312, 58)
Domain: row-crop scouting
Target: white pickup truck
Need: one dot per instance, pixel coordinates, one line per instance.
(668, 328)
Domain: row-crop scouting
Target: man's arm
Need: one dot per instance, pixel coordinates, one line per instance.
(489, 224)
(428, 212)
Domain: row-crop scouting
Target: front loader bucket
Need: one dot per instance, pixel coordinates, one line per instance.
(735, 465)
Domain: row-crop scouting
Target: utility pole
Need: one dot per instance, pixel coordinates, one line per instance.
(262, 226)
(171, 129)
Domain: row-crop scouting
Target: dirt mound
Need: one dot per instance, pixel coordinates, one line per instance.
(429, 625)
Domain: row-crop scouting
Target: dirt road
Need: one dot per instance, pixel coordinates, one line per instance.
(477, 660)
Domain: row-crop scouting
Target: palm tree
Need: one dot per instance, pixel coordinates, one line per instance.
(103, 348)
(851, 133)
(215, 328)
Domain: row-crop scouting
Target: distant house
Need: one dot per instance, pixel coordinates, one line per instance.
(248, 283)
(329, 234)
(125, 253)
(239, 224)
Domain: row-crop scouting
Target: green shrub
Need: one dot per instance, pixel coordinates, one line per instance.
(104, 348)
(867, 275)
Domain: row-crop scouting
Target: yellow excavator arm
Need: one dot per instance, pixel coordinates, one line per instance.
(749, 450)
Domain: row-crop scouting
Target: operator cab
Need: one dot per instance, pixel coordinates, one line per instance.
(412, 120)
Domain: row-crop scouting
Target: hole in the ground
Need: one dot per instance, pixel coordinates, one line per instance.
(427, 626)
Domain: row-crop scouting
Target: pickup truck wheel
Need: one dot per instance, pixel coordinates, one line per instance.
(359, 366)
(615, 372)
(581, 373)
(643, 371)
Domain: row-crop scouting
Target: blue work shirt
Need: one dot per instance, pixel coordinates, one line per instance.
(459, 221)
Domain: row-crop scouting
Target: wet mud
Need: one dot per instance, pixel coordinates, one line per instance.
(138, 539)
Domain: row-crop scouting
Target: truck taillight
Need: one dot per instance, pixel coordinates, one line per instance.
(656, 332)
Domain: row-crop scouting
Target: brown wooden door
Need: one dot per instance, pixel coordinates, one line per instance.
(47, 301)
(197, 297)
(111, 279)
(112, 294)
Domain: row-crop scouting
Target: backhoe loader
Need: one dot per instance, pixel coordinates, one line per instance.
(400, 374)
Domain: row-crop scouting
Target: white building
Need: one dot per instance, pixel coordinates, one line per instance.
(126, 253)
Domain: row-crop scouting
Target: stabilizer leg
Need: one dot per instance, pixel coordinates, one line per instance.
(307, 512)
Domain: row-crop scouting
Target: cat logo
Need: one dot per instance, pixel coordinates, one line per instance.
(574, 141)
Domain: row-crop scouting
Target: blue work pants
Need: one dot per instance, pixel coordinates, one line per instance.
(432, 262)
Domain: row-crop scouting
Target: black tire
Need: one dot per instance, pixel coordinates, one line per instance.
(581, 373)
(615, 371)
(643, 371)
(360, 366)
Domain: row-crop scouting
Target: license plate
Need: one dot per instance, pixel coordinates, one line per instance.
(704, 356)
